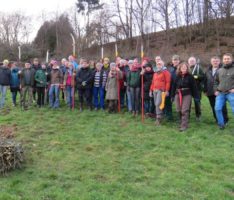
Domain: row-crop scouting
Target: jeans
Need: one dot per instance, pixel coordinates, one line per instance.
(69, 95)
(212, 104)
(40, 96)
(220, 102)
(148, 105)
(54, 96)
(98, 97)
(3, 91)
(129, 101)
(135, 97)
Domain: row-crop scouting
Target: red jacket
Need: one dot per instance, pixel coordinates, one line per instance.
(161, 81)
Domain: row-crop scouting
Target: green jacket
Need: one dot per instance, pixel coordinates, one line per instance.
(134, 79)
(41, 78)
(225, 78)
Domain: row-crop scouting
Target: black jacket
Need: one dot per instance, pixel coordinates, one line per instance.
(84, 74)
(185, 82)
(209, 82)
(5, 76)
(147, 79)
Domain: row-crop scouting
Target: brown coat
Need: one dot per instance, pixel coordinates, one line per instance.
(72, 80)
(56, 77)
(112, 86)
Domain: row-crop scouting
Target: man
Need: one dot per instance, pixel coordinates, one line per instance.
(224, 88)
(36, 66)
(26, 85)
(198, 75)
(210, 76)
(56, 81)
(84, 81)
(172, 69)
(5, 77)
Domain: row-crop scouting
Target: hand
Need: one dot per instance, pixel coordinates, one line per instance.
(150, 94)
(216, 93)
(142, 71)
(83, 83)
(117, 69)
(195, 77)
(231, 91)
(167, 93)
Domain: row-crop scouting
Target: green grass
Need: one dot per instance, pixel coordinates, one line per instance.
(95, 155)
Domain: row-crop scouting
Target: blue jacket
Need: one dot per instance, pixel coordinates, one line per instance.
(14, 82)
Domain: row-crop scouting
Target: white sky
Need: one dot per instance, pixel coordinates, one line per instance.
(35, 8)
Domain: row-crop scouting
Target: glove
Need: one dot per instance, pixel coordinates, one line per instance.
(83, 83)
(150, 94)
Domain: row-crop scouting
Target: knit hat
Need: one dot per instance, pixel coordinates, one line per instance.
(5, 62)
(130, 62)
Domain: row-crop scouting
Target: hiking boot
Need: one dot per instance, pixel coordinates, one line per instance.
(182, 129)
(158, 122)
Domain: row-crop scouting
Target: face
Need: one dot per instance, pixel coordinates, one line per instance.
(227, 60)
(175, 62)
(43, 66)
(35, 62)
(85, 64)
(144, 62)
(157, 59)
(70, 65)
(135, 61)
(160, 64)
(70, 58)
(184, 69)
(98, 67)
(215, 62)
(81, 61)
(106, 62)
(148, 69)
(118, 60)
(27, 65)
(192, 61)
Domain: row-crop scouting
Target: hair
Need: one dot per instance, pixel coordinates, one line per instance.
(175, 57)
(228, 54)
(215, 57)
(178, 71)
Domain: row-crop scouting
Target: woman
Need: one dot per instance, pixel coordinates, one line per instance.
(112, 87)
(159, 89)
(184, 88)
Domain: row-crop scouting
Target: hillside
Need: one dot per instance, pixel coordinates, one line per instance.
(218, 40)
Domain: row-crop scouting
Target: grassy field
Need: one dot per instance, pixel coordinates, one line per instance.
(100, 156)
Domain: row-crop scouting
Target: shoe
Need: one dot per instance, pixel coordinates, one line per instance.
(133, 113)
(96, 109)
(157, 122)
(198, 119)
(221, 127)
(182, 129)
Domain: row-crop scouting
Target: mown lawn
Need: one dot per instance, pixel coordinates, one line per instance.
(95, 155)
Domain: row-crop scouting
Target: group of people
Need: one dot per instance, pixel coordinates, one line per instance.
(125, 83)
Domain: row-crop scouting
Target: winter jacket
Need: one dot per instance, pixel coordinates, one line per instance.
(147, 79)
(56, 76)
(5, 75)
(27, 75)
(112, 85)
(225, 78)
(15, 82)
(134, 79)
(209, 81)
(161, 81)
(41, 78)
(186, 82)
(198, 75)
(84, 75)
